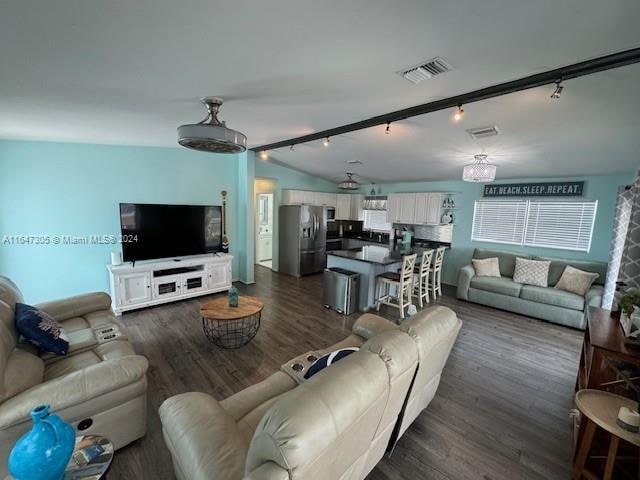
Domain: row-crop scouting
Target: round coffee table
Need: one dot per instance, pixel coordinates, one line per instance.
(231, 327)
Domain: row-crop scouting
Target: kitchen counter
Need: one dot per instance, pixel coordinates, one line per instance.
(370, 261)
(382, 239)
(381, 255)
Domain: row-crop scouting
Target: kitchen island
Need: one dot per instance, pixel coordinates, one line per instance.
(370, 261)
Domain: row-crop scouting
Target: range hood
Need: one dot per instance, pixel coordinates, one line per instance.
(375, 202)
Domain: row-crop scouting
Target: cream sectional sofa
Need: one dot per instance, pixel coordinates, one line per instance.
(547, 303)
(336, 425)
(100, 386)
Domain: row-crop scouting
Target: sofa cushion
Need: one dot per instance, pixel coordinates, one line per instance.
(576, 281)
(23, 371)
(506, 260)
(41, 329)
(486, 267)
(552, 296)
(327, 360)
(531, 272)
(556, 269)
(79, 361)
(502, 285)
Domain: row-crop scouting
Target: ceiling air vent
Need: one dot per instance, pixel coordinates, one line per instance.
(425, 70)
(483, 132)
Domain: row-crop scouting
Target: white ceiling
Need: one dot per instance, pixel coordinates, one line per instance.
(129, 72)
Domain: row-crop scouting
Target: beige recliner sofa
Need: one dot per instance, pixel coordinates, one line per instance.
(99, 387)
(336, 425)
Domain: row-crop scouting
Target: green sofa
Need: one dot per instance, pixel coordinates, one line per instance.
(552, 304)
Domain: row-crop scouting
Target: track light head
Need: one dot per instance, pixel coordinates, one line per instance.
(264, 155)
(558, 91)
(326, 142)
(291, 148)
(387, 130)
(459, 114)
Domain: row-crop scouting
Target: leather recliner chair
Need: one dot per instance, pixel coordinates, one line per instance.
(336, 425)
(100, 384)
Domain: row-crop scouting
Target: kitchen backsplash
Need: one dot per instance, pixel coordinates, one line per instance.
(436, 233)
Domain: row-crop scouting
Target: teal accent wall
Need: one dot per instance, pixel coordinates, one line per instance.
(74, 189)
(292, 179)
(601, 188)
(51, 189)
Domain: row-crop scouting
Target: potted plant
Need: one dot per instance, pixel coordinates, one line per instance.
(629, 301)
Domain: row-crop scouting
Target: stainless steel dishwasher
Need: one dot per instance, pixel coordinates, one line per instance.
(341, 290)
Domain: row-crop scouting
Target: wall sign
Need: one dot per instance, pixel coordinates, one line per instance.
(546, 189)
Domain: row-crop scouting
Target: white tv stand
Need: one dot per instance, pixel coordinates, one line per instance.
(168, 280)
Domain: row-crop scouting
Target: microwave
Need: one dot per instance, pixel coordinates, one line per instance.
(331, 213)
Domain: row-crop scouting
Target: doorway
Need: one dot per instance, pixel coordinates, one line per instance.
(264, 229)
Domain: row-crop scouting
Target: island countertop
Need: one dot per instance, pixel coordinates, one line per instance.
(377, 254)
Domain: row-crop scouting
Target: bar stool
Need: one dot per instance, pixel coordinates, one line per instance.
(600, 409)
(421, 277)
(403, 282)
(435, 285)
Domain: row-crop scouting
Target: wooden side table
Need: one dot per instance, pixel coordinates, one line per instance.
(231, 327)
(600, 409)
(603, 339)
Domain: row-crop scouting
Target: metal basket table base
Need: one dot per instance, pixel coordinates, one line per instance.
(231, 333)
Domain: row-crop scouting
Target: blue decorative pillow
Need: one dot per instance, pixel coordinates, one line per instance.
(328, 359)
(41, 329)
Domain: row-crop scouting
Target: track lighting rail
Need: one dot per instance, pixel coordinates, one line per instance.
(580, 69)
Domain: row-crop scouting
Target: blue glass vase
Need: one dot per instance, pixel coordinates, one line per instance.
(233, 297)
(44, 451)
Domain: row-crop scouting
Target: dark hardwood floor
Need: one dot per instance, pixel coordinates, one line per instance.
(501, 411)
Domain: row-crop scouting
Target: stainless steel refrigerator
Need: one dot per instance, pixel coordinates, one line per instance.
(303, 237)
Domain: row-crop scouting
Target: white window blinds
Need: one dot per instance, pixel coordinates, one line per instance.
(566, 225)
(376, 220)
(499, 222)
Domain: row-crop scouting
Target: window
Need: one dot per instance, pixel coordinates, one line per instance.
(376, 220)
(499, 222)
(566, 225)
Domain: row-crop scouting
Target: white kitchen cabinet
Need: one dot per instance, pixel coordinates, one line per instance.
(327, 199)
(309, 198)
(291, 197)
(393, 207)
(343, 207)
(421, 210)
(407, 208)
(357, 212)
(434, 212)
(428, 208)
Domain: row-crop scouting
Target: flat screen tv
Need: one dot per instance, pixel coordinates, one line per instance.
(151, 231)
